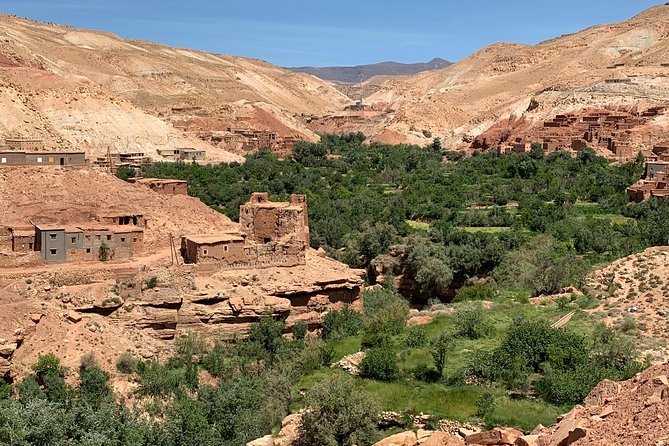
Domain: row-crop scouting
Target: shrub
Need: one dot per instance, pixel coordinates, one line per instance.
(339, 324)
(472, 323)
(300, 330)
(105, 253)
(475, 292)
(341, 415)
(152, 282)
(385, 311)
(415, 336)
(485, 404)
(439, 349)
(426, 373)
(126, 363)
(380, 363)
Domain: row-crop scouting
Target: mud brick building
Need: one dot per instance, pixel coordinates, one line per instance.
(12, 158)
(271, 234)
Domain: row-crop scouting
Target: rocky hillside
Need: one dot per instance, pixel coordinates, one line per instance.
(92, 90)
(499, 82)
(364, 72)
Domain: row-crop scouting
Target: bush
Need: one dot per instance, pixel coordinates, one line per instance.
(415, 336)
(380, 363)
(339, 324)
(475, 293)
(126, 363)
(472, 323)
(439, 349)
(485, 404)
(300, 330)
(385, 311)
(424, 372)
(152, 282)
(341, 415)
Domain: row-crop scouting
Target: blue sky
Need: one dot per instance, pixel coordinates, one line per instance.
(341, 32)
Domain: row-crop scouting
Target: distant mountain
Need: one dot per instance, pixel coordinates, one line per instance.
(354, 74)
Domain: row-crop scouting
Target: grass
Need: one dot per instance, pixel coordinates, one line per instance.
(418, 225)
(455, 402)
(485, 229)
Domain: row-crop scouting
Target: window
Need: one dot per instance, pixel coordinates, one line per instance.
(98, 237)
(30, 246)
(134, 240)
(205, 252)
(108, 237)
(39, 159)
(53, 252)
(122, 239)
(225, 248)
(88, 250)
(3, 160)
(88, 238)
(74, 240)
(53, 236)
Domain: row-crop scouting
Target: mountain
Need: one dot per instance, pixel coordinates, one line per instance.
(93, 90)
(364, 72)
(621, 65)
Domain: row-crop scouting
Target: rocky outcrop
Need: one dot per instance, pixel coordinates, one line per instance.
(498, 436)
(407, 438)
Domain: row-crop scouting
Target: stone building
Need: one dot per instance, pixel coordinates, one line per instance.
(271, 234)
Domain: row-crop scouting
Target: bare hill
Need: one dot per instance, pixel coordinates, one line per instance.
(93, 90)
(499, 82)
(357, 73)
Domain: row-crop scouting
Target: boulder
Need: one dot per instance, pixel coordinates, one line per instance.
(74, 316)
(36, 317)
(442, 439)
(267, 440)
(5, 366)
(7, 348)
(407, 438)
(532, 440)
(497, 436)
(423, 435)
(570, 429)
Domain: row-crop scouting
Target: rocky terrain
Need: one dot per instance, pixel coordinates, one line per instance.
(562, 75)
(144, 303)
(92, 90)
(632, 293)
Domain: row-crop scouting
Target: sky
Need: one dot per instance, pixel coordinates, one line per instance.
(336, 32)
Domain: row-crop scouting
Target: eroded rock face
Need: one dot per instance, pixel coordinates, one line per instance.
(402, 439)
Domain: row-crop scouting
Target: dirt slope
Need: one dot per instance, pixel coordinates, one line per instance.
(563, 75)
(93, 90)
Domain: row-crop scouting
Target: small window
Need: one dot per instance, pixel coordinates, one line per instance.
(53, 236)
(3, 160)
(74, 239)
(134, 240)
(53, 252)
(88, 238)
(225, 248)
(98, 237)
(122, 239)
(88, 250)
(205, 252)
(39, 159)
(30, 246)
(109, 237)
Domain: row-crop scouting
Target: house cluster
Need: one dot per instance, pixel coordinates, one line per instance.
(271, 234)
(655, 181)
(606, 129)
(244, 141)
(185, 154)
(111, 237)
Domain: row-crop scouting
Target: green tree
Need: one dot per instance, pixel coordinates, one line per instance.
(439, 349)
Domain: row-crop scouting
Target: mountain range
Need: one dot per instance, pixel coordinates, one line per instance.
(360, 73)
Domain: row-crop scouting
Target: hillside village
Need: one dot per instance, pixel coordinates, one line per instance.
(207, 249)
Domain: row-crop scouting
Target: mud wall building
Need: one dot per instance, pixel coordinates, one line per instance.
(271, 234)
(11, 158)
(163, 186)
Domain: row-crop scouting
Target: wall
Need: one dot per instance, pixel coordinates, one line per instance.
(52, 245)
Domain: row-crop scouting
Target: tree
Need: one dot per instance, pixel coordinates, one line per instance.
(472, 323)
(339, 415)
(439, 349)
(380, 363)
